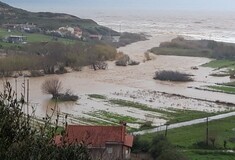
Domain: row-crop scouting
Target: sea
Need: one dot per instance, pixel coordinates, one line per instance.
(213, 25)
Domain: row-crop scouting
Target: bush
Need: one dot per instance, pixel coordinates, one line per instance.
(159, 145)
(146, 125)
(123, 61)
(172, 76)
(132, 63)
(21, 138)
(171, 154)
(140, 145)
(68, 96)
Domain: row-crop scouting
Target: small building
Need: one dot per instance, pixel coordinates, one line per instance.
(95, 37)
(16, 39)
(115, 39)
(104, 142)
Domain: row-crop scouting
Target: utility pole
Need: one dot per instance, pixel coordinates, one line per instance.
(16, 87)
(27, 96)
(207, 131)
(24, 87)
(166, 129)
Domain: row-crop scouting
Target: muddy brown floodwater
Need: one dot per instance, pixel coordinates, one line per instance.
(131, 79)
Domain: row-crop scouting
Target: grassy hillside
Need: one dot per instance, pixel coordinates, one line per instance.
(196, 48)
(47, 20)
(190, 140)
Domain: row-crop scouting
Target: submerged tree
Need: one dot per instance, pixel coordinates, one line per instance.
(52, 86)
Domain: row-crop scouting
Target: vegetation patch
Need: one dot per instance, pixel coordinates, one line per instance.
(113, 117)
(205, 155)
(220, 64)
(158, 148)
(172, 76)
(172, 115)
(128, 38)
(224, 89)
(54, 87)
(181, 52)
(20, 139)
(196, 48)
(232, 84)
(97, 96)
(125, 60)
(53, 57)
(184, 139)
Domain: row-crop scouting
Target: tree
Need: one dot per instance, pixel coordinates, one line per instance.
(22, 139)
(159, 145)
(52, 86)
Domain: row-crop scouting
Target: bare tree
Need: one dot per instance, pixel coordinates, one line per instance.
(52, 86)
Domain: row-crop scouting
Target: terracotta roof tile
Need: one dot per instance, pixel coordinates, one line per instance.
(128, 140)
(98, 136)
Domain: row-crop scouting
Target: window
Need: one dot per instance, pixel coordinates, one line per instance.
(110, 150)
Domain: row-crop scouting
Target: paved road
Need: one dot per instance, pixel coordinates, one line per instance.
(188, 123)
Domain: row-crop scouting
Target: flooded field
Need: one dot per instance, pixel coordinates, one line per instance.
(135, 84)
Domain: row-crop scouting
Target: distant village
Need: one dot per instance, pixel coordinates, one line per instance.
(62, 32)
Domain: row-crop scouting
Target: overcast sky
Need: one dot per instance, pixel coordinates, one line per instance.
(69, 5)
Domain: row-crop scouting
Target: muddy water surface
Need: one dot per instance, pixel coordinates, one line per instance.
(131, 79)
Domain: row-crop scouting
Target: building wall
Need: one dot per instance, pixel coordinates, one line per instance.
(110, 152)
(141, 156)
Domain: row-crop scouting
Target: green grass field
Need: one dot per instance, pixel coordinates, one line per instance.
(172, 115)
(31, 37)
(208, 155)
(181, 52)
(184, 139)
(220, 64)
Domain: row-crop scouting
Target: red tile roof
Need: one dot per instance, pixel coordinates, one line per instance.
(98, 136)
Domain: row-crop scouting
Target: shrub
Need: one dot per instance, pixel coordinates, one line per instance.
(132, 63)
(21, 138)
(140, 145)
(146, 125)
(172, 76)
(123, 61)
(147, 56)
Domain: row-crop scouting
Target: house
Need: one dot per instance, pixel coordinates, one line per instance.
(77, 32)
(69, 31)
(27, 27)
(115, 39)
(16, 39)
(104, 142)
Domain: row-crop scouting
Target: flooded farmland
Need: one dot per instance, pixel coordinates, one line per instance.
(135, 84)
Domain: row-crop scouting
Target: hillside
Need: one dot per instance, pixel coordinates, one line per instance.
(50, 21)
